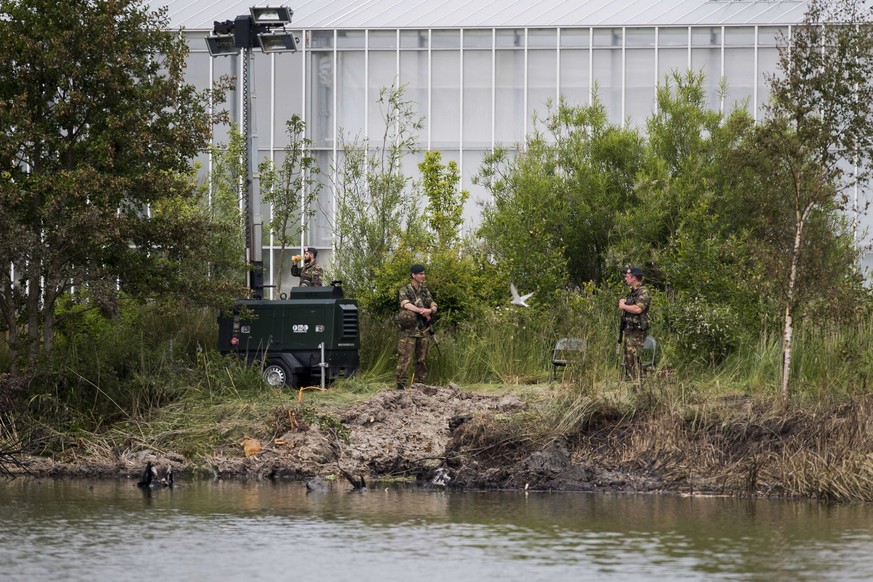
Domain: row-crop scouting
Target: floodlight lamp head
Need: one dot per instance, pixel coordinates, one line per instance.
(221, 45)
(276, 15)
(277, 42)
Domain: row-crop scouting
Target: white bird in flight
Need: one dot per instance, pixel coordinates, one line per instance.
(518, 299)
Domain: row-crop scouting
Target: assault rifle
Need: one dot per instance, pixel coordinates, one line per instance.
(622, 324)
(427, 326)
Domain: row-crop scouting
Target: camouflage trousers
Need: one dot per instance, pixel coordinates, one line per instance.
(410, 348)
(633, 347)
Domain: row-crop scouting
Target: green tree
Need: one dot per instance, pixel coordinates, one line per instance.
(685, 225)
(554, 202)
(454, 271)
(445, 206)
(812, 150)
(519, 220)
(290, 188)
(682, 183)
(598, 163)
(99, 130)
(375, 205)
(227, 256)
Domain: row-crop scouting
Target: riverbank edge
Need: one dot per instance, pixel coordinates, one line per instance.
(441, 436)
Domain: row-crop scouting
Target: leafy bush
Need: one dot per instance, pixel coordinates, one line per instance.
(113, 365)
(704, 332)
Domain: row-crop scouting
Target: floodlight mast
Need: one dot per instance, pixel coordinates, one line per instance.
(258, 29)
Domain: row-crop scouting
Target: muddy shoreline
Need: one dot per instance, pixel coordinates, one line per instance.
(461, 440)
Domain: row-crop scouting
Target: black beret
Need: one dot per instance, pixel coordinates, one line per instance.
(635, 271)
(416, 269)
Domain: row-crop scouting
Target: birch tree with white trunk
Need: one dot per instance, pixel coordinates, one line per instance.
(817, 136)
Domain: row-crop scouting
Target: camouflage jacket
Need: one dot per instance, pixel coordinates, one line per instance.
(420, 297)
(310, 274)
(639, 296)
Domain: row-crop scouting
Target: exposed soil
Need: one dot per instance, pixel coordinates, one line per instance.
(445, 437)
(394, 434)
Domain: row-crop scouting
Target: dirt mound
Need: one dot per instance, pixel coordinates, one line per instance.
(406, 432)
(395, 433)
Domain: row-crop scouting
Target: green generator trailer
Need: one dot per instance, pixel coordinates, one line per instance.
(309, 338)
(311, 335)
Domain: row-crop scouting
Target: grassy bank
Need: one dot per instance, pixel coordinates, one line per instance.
(685, 440)
(150, 381)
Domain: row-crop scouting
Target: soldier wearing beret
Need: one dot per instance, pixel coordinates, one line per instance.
(635, 319)
(416, 310)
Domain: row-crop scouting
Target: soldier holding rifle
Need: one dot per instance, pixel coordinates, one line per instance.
(417, 308)
(634, 321)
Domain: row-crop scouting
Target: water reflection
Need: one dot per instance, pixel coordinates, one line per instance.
(79, 530)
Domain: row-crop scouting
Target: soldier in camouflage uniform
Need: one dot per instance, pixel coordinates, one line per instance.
(416, 309)
(311, 272)
(635, 317)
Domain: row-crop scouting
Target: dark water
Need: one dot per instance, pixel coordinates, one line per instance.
(110, 530)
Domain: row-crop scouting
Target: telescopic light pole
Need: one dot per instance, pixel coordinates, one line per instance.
(264, 28)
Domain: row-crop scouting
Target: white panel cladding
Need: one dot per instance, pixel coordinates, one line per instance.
(360, 14)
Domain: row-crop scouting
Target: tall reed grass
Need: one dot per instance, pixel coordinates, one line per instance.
(156, 355)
